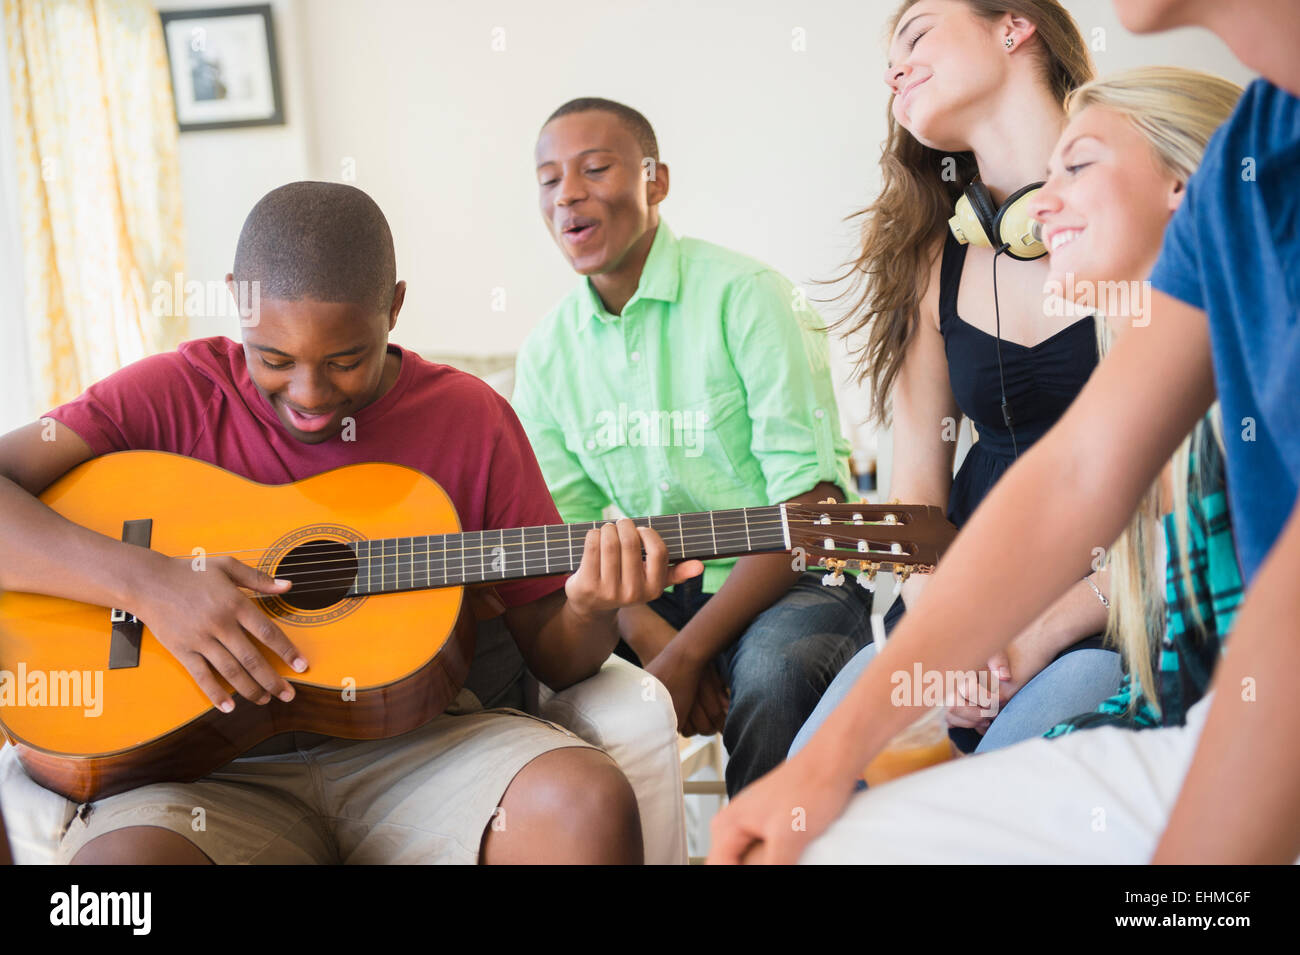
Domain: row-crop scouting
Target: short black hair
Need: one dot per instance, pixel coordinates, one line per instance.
(637, 124)
(319, 240)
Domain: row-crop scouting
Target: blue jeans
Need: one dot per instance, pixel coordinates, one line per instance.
(780, 666)
(1072, 684)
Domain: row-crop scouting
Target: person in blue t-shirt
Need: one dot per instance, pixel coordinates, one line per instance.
(1225, 315)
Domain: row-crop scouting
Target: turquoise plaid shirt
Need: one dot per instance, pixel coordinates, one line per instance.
(712, 390)
(1184, 663)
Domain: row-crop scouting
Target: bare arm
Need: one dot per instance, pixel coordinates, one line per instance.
(1238, 802)
(47, 554)
(564, 638)
(560, 647)
(923, 406)
(925, 416)
(201, 618)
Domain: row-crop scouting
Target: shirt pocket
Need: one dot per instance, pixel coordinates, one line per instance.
(715, 458)
(612, 466)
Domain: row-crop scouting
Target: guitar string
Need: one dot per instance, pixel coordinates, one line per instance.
(320, 586)
(435, 555)
(434, 562)
(545, 539)
(880, 557)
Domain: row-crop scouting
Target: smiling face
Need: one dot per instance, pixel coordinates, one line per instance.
(319, 362)
(1106, 202)
(592, 190)
(945, 62)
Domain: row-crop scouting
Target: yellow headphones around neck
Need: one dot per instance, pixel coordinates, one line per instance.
(1008, 228)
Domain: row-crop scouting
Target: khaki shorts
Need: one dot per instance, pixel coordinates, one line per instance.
(424, 797)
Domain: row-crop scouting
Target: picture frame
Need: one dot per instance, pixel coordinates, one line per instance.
(224, 68)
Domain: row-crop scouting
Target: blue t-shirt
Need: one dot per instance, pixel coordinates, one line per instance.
(1233, 251)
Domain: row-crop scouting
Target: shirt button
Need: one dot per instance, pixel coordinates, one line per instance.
(663, 485)
(819, 413)
(635, 356)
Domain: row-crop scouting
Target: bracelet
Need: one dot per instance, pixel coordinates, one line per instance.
(1100, 596)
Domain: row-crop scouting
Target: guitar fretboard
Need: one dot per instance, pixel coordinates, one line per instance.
(443, 560)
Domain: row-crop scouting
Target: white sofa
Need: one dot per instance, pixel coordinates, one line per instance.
(622, 709)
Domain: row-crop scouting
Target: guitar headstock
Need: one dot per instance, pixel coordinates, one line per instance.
(903, 538)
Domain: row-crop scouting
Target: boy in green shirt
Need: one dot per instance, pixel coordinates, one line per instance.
(680, 376)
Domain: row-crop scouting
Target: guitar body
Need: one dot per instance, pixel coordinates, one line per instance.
(380, 665)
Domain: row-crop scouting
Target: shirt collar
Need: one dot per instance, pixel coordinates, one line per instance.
(660, 279)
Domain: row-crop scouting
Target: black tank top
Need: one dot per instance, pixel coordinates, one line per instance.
(1041, 381)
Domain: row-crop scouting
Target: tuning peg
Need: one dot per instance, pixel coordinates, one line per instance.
(836, 576)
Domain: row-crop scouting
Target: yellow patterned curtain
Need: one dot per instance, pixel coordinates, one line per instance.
(98, 186)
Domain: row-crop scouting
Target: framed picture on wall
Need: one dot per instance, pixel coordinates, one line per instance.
(225, 72)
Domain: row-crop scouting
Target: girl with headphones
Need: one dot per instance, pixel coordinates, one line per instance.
(948, 300)
(1118, 174)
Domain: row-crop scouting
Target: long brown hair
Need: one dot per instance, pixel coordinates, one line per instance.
(900, 228)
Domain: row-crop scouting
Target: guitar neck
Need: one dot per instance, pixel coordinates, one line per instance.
(446, 560)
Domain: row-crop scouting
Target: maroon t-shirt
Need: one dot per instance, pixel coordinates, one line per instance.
(199, 401)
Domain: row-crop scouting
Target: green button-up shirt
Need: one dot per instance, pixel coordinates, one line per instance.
(712, 390)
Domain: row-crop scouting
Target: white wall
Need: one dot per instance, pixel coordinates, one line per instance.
(225, 171)
(770, 145)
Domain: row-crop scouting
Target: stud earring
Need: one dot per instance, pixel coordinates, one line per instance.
(1010, 43)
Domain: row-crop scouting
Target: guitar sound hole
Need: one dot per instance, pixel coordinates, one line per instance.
(322, 571)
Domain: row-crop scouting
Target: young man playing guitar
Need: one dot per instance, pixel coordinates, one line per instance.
(315, 385)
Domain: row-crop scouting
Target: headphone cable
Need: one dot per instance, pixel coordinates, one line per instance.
(997, 318)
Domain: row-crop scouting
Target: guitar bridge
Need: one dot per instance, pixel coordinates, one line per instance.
(126, 629)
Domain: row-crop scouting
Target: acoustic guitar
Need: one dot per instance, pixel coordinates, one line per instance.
(96, 705)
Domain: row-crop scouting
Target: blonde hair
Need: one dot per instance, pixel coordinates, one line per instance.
(1177, 111)
(901, 226)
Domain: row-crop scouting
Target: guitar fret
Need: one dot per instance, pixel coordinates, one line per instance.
(513, 539)
(440, 560)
